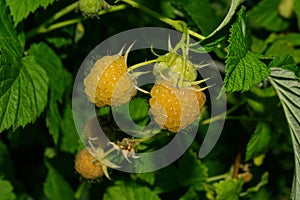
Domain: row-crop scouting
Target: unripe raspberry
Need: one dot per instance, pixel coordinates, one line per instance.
(108, 82)
(87, 166)
(172, 68)
(90, 7)
(175, 108)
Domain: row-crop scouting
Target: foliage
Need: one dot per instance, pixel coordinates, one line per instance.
(42, 45)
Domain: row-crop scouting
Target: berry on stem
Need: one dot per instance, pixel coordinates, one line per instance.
(175, 108)
(90, 8)
(173, 66)
(108, 83)
(87, 166)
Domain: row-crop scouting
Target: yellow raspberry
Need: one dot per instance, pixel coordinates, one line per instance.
(174, 108)
(87, 166)
(108, 82)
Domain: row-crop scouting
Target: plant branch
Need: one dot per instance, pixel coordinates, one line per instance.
(133, 67)
(237, 163)
(47, 26)
(177, 24)
(80, 190)
(218, 177)
(222, 115)
(43, 27)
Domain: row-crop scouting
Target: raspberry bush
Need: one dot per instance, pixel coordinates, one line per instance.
(255, 45)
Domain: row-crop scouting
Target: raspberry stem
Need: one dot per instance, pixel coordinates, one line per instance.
(222, 115)
(177, 24)
(46, 27)
(133, 67)
(81, 189)
(218, 177)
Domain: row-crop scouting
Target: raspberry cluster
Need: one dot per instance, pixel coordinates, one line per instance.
(108, 82)
(175, 108)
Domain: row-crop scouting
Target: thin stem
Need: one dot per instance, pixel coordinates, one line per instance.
(43, 27)
(245, 118)
(80, 190)
(61, 24)
(218, 177)
(222, 115)
(133, 67)
(46, 27)
(62, 12)
(113, 9)
(150, 12)
(177, 24)
(197, 35)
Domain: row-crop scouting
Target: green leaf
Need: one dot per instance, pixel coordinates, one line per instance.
(6, 190)
(139, 111)
(201, 13)
(167, 9)
(191, 194)
(243, 68)
(258, 45)
(259, 141)
(9, 43)
(148, 177)
(166, 179)
(257, 187)
(191, 171)
(127, 191)
(56, 187)
(69, 139)
(53, 119)
(286, 45)
(207, 46)
(21, 9)
(297, 11)
(59, 42)
(265, 14)
(233, 6)
(52, 64)
(6, 165)
(287, 87)
(23, 94)
(285, 62)
(228, 189)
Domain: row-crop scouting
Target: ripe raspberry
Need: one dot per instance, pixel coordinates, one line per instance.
(175, 108)
(87, 165)
(108, 82)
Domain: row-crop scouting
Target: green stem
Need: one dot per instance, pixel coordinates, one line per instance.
(218, 177)
(81, 189)
(222, 115)
(46, 27)
(246, 118)
(62, 12)
(133, 67)
(113, 9)
(61, 24)
(196, 35)
(43, 27)
(177, 24)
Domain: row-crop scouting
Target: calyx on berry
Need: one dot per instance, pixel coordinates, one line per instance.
(172, 67)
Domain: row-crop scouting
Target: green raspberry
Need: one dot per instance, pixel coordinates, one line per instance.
(170, 68)
(90, 8)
